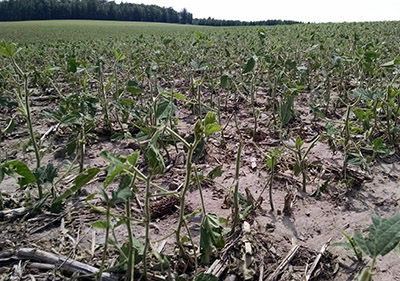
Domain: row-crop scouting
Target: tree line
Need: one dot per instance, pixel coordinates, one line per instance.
(19, 10)
(215, 22)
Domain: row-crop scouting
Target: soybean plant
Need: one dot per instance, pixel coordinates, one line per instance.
(201, 129)
(125, 168)
(249, 67)
(77, 113)
(383, 238)
(300, 166)
(347, 138)
(22, 95)
(271, 162)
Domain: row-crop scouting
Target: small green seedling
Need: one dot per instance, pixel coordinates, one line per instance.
(272, 162)
(300, 167)
(350, 245)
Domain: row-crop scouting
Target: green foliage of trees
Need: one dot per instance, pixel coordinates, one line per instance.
(215, 22)
(16, 10)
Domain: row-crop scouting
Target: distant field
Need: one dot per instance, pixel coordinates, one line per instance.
(73, 30)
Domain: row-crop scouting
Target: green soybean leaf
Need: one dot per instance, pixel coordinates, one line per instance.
(133, 88)
(156, 161)
(165, 109)
(296, 169)
(111, 159)
(185, 239)
(198, 130)
(125, 182)
(121, 195)
(10, 126)
(210, 118)
(269, 162)
(261, 33)
(210, 235)
(299, 142)
(378, 144)
(365, 94)
(356, 160)
(138, 250)
(133, 158)
(166, 41)
(224, 81)
(117, 136)
(206, 277)
(285, 110)
(85, 177)
(215, 173)
(119, 56)
(20, 168)
(251, 63)
(318, 111)
(2, 174)
(100, 224)
(211, 128)
(397, 251)
(115, 168)
(180, 97)
(391, 63)
(46, 174)
(72, 65)
(7, 49)
(80, 181)
(383, 237)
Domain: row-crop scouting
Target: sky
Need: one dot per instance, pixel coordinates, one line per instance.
(300, 10)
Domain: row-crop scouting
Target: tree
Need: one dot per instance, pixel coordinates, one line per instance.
(183, 16)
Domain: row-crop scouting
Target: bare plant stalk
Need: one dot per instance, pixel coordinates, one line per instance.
(346, 142)
(253, 106)
(191, 148)
(82, 142)
(103, 259)
(147, 225)
(189, 157)
(236, 216)
(131, 260)
(303, 169)
(199, 99)
(271, 182)
(203, 206)
(1, 202)
(347, 135)
(193, 245)
(220, 116)
(103, 97)
(27, 109)
(24, 104)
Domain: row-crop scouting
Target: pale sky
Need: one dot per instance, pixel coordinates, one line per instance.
(301, 10)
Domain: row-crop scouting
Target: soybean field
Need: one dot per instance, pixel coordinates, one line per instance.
(150, 151)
